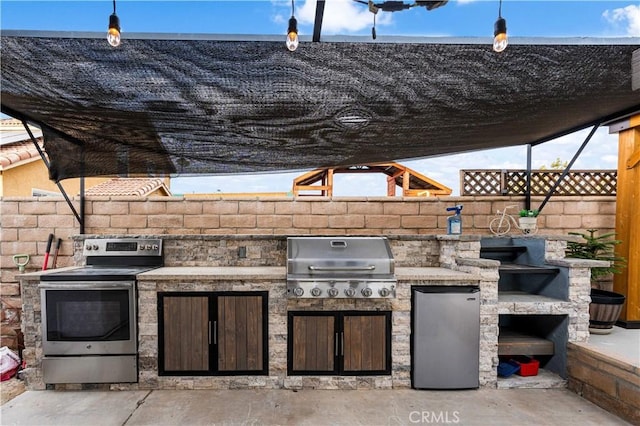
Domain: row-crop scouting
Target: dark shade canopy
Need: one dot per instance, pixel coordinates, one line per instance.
(196, 105)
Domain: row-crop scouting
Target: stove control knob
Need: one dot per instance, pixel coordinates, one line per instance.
(155, 247)
(316, 292)
(349, 292)
(95, 247)
(367, 292)
(384, 292)
(333, 292)
(88, 247)
(298, 291)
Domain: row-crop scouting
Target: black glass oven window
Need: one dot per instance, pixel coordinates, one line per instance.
(83, 315)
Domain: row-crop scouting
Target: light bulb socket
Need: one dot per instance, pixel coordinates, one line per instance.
(293, 25)
(114, 22)
(500, 27)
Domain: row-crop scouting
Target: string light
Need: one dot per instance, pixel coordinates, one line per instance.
(113, 35)
(292, 31)
(500, 40)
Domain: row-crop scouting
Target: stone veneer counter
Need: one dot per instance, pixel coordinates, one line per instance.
(279, 273)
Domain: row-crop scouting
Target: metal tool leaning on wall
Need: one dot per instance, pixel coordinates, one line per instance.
(45, 263)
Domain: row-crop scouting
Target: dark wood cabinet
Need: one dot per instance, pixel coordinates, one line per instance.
(212, 333)
(339, 343)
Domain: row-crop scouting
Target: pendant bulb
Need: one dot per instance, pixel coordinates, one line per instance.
(500, 40)
(292, 34)
(113, 34)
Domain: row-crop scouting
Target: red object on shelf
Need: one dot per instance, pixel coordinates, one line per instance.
(528, 366)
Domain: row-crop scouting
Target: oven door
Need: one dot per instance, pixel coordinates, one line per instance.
(88, 318)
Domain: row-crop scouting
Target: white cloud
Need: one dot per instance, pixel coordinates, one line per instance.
(341, 16)
(629, 16)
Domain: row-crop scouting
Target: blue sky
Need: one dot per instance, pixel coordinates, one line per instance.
(466, 18)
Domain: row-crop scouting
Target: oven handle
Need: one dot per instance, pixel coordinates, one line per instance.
(87, 286)
(342, 268)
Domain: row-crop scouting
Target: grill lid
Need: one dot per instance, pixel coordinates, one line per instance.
(339, 257)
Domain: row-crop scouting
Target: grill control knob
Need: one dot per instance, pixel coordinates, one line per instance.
(384, 292)
(349, 292)
(367, 292)
(298, 291)
(316, 292)
(332, 292)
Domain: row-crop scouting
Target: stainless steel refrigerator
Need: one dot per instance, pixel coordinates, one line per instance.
(445, 337)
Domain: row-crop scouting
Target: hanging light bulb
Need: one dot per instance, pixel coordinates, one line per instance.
(292, 34)
(292, 31)
(500, 40)
(113, 34)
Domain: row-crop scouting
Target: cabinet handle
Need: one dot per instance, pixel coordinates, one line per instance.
(209, 332)
(336, 344)
(342, 343)
(215, 332)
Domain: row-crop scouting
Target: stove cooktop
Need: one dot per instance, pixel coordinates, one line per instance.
(97, 273)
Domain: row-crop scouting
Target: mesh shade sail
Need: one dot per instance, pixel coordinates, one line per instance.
(203, 106)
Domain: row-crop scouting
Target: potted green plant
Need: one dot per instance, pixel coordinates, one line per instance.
(528, 220)
(605, 306)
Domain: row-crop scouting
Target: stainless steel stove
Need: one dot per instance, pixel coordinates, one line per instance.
(340, 267)
(89, 320)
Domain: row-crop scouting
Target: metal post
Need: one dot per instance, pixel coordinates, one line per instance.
(566, 170)
(79, 218)
(527, 191)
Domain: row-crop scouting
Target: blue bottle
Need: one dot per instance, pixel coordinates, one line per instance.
(454, 223)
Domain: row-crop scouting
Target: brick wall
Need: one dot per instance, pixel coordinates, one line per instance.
(608, 383)
(27, 222)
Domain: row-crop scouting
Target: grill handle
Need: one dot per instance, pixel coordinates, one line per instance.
(342, 268)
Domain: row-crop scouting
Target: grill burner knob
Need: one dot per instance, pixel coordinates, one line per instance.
(366, 292)
(384, 292)
(349, 292)
(333, 292)
(298, 291)
(316, 292)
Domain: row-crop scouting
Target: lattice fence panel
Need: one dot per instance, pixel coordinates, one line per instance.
(480, 182)
(514, 182)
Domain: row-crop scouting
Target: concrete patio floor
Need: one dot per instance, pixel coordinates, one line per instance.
(322, 407)
(305, 407)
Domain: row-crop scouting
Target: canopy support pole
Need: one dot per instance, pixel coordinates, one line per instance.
(566, 170)
(317, 26)
(527, 193)
(79, 217)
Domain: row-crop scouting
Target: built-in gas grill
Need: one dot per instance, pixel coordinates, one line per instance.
(340, 267)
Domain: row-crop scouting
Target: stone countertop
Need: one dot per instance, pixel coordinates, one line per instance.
(265, 273)
(280, 273)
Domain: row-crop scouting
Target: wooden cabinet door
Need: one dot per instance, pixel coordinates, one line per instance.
(185, 345)
(240, 333)
(364, 342)
(313, 343)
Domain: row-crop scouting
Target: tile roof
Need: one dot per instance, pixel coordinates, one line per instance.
(17, 153)
(16, 147)
(128, 187)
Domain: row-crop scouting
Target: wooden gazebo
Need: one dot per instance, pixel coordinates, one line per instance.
(413, 184)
